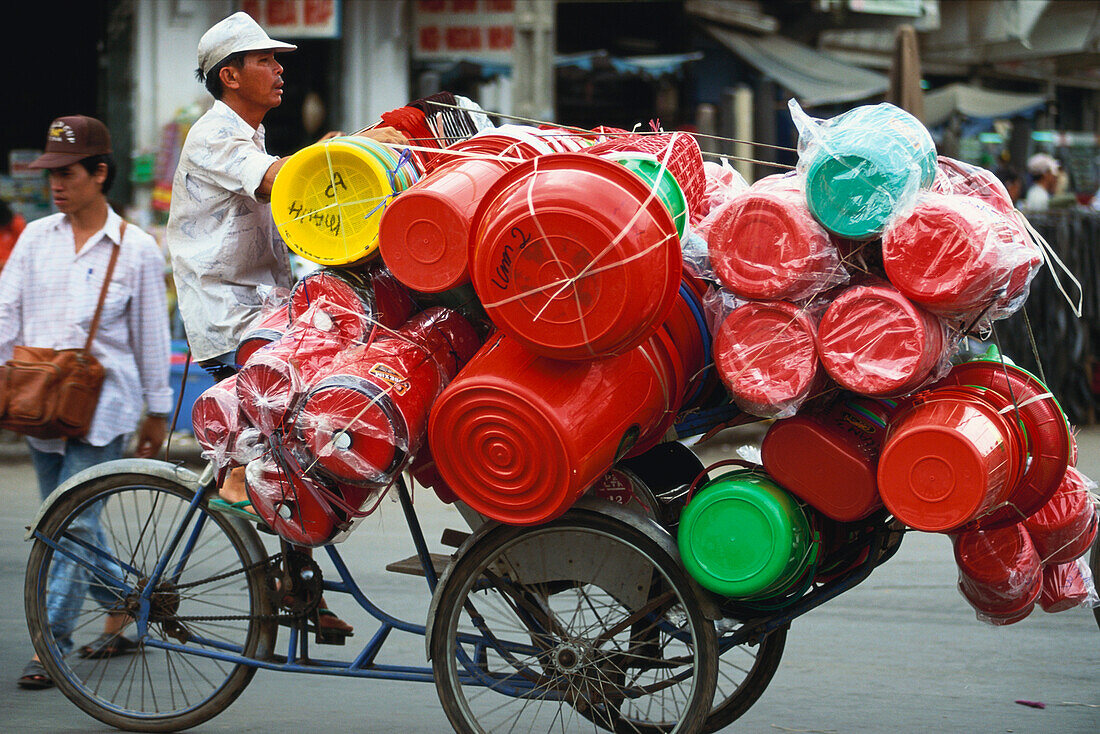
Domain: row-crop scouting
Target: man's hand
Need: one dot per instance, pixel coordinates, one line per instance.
(388, 135)
(150, 436)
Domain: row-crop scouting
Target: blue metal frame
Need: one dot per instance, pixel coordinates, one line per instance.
(297, 658)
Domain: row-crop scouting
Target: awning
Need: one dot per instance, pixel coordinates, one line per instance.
(814, 77)
(976, 104)
(648, 65)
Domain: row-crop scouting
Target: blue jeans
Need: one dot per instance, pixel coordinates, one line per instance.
(68, 583)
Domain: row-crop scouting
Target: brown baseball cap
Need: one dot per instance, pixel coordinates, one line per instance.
(71, 139)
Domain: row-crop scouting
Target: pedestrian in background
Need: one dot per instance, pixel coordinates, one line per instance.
(48, 295)
(1044, 171)
(226, 253)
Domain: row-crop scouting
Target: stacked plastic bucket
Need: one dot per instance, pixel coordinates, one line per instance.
(599, 337)
(1004, 572)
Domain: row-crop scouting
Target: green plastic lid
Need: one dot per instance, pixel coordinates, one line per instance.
(668, 188)
(744, 536)
(855, 183)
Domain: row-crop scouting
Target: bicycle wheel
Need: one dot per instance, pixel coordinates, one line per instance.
(1094, 566)
(744, 671)
(96, 549)
(580, 622)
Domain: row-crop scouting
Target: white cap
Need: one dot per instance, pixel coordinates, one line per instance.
(238, 32)
(1041, 163)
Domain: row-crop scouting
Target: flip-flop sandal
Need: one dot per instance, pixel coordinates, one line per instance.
(35, 677)
(108, 645)
(237, 509)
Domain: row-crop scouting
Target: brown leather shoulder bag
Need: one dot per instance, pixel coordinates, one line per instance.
(52, 393)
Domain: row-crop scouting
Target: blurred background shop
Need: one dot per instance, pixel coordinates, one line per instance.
(996, 81)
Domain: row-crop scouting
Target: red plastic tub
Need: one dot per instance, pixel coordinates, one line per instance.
(952, 254)
(999, 572)
(1045, 429)
(267, 328)
(368, 411)
(1064, 587)
(574, 276)
(829, 459)
(424, 235)
(279, 372)
(215, 419)
(946, 462)
(1063, 529)
(874, 341)
(765, 245)
(354, 301)
(519, 437)
(766, 355)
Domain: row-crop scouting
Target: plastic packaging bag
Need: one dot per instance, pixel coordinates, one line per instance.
(1065, 527)
(959, 257)
(1068, 585)
(765, 245)
(766, 355)
(215, 420)
(874, 341)
(863, 167)
(723, 182)
(274, 376)
(367, 412)
(1000, 574)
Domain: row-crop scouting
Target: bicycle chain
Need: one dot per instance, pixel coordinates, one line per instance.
(270, 560)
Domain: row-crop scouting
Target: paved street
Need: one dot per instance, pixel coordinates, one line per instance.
(901, 653)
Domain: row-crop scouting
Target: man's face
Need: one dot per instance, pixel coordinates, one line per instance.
(261, 80)
(73, 188)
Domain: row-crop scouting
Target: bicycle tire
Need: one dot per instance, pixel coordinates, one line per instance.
(221, 575)
(735, 694)
(1094, 566)
(579, 671)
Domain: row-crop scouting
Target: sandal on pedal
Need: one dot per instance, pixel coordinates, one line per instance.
(108, 645)
(238, 509)
(331, 630)
(35, 677)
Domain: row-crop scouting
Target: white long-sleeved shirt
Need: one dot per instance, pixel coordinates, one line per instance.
(226, 253)
(48, 295)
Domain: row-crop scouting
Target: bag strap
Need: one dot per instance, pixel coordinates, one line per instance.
(103, 289)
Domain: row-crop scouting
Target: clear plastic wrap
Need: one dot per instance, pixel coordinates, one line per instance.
(874, 341)
(368, 411)
(268, 326)
(959, 257)
(300, 505)
(723, 182)
(354, 300)
(765, 245)
(274, 376)
(863, 167)
(766, 355)
(1000, 574)
(965, 179)
(215, 420)
(693, 247)
(1065, 527)
(293, 504)
(1068, 585)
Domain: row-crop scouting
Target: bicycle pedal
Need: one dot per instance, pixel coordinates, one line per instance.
(331, 637)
